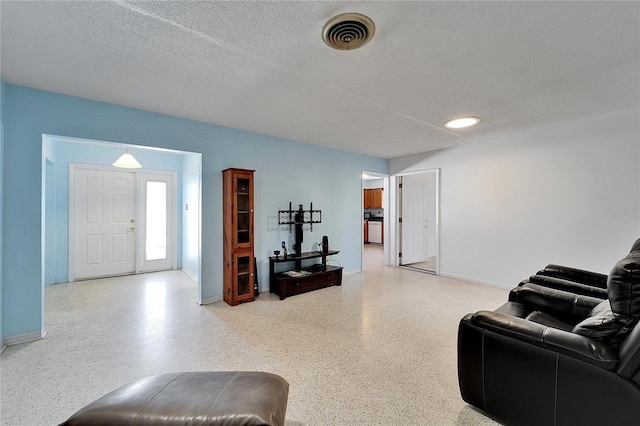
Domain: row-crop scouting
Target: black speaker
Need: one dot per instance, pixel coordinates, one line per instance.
(256, 290)
(325, 244)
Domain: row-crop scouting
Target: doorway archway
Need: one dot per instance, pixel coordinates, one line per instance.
(59, 152)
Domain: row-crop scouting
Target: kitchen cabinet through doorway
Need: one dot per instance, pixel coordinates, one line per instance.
(373, 198)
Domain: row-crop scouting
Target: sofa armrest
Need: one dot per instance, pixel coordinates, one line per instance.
(562, 304)
(573, 274)
(567, 343)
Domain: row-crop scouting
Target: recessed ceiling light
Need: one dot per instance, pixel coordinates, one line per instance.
(459, 123)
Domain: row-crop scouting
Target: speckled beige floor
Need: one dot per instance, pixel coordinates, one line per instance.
(380, 349)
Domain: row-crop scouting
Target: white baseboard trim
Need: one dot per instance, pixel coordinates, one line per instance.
(3, 346)
(24, 338)
(210, 300)
(478, 281)
(351, 271)
(190, 275)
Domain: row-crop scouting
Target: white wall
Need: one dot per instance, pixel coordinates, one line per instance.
(431, 213)
(372, 183)
(567, 195)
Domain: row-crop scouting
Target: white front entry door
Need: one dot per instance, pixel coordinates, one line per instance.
(414, 221)
(104, 223)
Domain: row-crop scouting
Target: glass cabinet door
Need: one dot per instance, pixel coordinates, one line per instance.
(243, 270)
(243, 213)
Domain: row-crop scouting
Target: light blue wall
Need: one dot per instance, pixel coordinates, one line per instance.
(2, 112)
(191, 166)
(61, 153)
(285, 171)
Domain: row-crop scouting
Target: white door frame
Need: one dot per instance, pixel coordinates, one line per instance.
(141, 218)
(385, 205)
(396, 238)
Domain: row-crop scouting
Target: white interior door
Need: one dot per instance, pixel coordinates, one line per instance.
(157, 224)
(414, 220)
(104, 223)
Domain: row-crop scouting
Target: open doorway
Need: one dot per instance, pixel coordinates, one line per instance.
(169, 179)
(418, 220)
(375, 226)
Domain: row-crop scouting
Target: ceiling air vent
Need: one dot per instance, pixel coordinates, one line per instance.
(348, 31)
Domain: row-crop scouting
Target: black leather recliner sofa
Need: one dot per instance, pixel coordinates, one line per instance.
(564, 350)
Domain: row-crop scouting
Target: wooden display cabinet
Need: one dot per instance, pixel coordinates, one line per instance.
(238, 241)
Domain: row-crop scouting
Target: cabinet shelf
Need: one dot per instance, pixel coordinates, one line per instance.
(302, 256)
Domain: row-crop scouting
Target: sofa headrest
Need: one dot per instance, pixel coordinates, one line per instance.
(602, 324)
(613, 319)
(623, 285)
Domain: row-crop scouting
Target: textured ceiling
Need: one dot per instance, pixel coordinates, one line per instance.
(263, 67)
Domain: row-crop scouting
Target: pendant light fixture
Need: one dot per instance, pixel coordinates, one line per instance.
(127, 161)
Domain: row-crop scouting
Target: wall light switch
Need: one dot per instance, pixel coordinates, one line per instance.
(186, 206)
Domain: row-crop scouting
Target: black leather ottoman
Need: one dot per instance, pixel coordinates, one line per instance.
(197, 398)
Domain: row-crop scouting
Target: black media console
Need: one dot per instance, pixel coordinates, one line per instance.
(302, 279)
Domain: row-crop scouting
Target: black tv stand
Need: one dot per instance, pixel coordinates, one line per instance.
(302, 279)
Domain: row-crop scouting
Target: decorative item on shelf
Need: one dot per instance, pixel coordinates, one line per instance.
(276, 253)
(127, 161)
